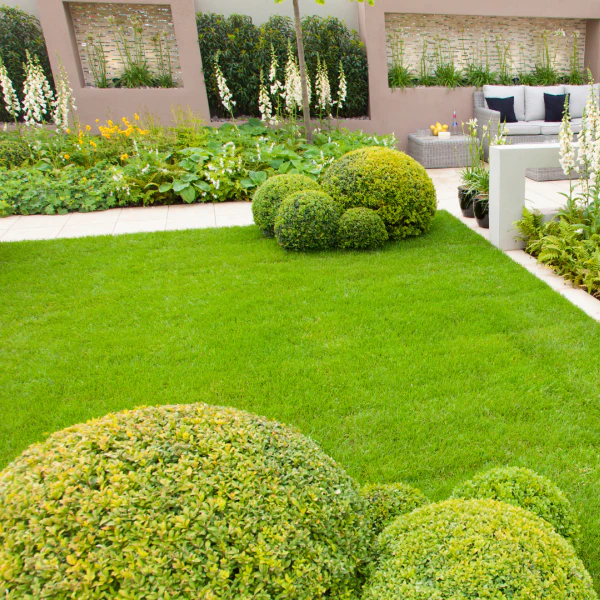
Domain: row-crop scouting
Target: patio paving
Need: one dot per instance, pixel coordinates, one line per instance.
(540, 195)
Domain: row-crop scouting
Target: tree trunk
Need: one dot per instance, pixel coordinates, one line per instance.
(302, 62)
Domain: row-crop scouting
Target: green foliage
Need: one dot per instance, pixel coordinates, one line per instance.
(307, 221)
(525, 488)
(386, 501)
(389, 182)
(156, 165)
(479, 75)
(361, 228)
(570, 245)
(13, 153)
(19, 32)
(476, 549)
(150, 502)
(330, 39)
(401, 77)
(246, 49)
(272, 193)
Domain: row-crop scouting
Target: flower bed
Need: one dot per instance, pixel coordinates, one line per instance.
(133, 162)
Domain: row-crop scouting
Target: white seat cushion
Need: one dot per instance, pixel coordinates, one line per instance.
(535, 109)
(548, 128)
(578, 98)
(506, 91)
(522, 128)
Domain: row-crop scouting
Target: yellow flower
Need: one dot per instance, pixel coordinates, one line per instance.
(66, 157)
(92, 143)
(68, 130)
(124, 156)
(88, 128)
(97, 120)
(136, 116)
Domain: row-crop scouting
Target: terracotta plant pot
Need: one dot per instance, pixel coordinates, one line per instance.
(481, 210)
(465, 198)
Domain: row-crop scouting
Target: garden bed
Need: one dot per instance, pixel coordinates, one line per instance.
(426, 362)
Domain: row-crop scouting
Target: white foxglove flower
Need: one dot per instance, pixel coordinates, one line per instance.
(264, 104)
(566, 151)
(343, 88)
(323, 88)
(293, 84)
(65, 102)
(38, 94)
(224, 93)
(11, 101)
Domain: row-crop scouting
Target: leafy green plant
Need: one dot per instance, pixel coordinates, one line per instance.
(388, 182)
(272, 193)
(162, 52)
(399, 75)
(307, 220)
(97, 63)
(476, 549)
(478, 75)
(225, 504)
(387, 501)
(20, 32)
(361, 229)
(525, 488)
(445, 71)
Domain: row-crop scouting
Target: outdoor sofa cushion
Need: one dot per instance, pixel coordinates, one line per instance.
(540, 128)
(505, 106)
(505, 91)
(555, 107)
(522, 128)
(579, 97)
(535, 110)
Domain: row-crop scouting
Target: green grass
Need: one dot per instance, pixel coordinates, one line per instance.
(426, 362)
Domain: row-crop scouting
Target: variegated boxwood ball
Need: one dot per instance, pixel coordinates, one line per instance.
(525, 488)
(476, 549)
(272, 193)
(389, 182)
(386, 501)
(190, 501)
(307, 221)
(361, 229)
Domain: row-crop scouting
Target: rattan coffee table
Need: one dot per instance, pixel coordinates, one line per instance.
(434, 153)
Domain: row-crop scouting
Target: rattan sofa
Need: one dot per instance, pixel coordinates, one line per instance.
(530, 128)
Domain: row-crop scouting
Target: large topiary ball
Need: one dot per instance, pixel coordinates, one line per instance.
(272, 193)
(389, 182)
(307, 221)
(189, 501)
(386, 501)
(525, 488)
(361, 229)
(476, 549)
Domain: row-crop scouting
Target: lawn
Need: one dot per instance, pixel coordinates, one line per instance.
(426, 362)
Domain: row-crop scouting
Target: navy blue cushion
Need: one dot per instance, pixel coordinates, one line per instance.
(555, 107)
(505, 106)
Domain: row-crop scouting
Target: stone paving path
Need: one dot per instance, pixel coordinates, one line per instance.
(540, 195)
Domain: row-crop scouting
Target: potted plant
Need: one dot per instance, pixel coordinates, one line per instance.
(468, 175)
(481, 197)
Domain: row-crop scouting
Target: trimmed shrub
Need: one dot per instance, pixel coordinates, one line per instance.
(192, 500)
(272, 193)
(13, 153)
(476, 549)
(20, 31)
(361, 228)
(386, 501)
(525, 488)
(307, 221)
(389, 182)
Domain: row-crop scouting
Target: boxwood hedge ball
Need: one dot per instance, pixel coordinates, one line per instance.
(525, 488)
(476, 549)
(361, 229)
(387, 181)
(307, 221)
(272, 193)
(189, 501)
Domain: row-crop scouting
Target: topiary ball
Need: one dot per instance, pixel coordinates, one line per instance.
(190, 501)
(307, 221)
(525, 488)
(386, 501)
(361, 229)
(272, 193)
(476, 549)
(389, 182)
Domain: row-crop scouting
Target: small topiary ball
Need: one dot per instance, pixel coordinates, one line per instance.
(476, 549)
(389, 182)
(386, 501)
(307, 221)
(525, 488)
(272, 193)
(361, 229)
(191, 501)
